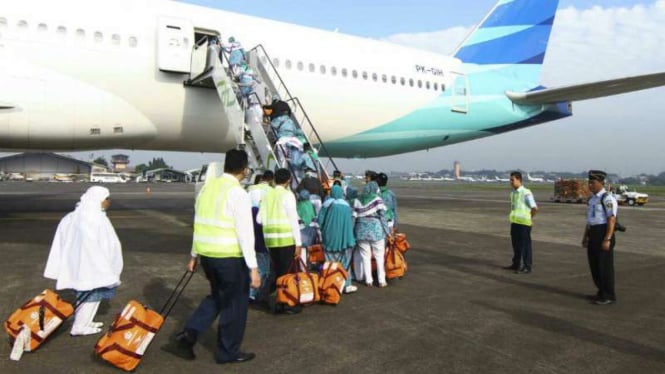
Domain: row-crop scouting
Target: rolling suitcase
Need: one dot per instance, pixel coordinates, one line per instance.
(41, 316)
(134, 328)
(31, 324)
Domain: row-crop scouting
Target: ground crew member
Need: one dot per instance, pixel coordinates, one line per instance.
(279, 216)
(522, 210)
(224, 241)
(599, 238)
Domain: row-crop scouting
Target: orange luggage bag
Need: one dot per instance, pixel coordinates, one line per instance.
(331, 282)
(395, 262)
(124, 345)
(298, 287)
(42, 315)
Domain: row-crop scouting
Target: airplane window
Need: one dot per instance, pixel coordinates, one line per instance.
(322, 69)
(288, 64)
(95, 131)
(99, 37)
(22, 24)
(393, 79)
(427, 85)
(133, 41)
(420, 83)
(116, 39)
(80, 33)
(364, 75)
(311, 67)
(443, 87)
(300, 65)
(402, 81)
(436, 86)
(118, 130)
(354, 73)
(344, 72)
(3, 23)
(275, 62)
(333, 70)
(411, 82)
(374, 77)
(42, 27)
(384, 78)
(62, 30)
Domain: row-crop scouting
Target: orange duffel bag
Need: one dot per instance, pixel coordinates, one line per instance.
(298, 287)
(41, 315)
(124, 345)
(395, 263)
(401, 243)
(331, 282)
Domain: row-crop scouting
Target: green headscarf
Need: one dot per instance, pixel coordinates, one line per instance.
(369, 193)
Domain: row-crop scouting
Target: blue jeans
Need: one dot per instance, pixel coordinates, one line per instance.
(228, 299)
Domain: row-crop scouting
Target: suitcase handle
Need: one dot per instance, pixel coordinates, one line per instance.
(175, 294)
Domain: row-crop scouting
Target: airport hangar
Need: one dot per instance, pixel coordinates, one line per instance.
(45, 165)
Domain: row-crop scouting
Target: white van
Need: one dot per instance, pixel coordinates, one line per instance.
(106, 178)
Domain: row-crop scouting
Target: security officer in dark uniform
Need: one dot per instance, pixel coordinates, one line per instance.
(599, 238)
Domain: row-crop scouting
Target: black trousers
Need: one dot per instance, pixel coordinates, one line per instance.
(281, 258)
(520, 236)
(601, 263)
(228, 299)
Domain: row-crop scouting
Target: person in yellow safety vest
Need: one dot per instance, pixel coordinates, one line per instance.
(224, 242)
(522, 210)
(279, 216)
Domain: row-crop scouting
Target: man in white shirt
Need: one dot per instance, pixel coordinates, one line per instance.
(599, 238)
(281, 230)
(224, 242)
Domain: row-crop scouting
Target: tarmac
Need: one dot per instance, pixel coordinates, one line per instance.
(455, 311)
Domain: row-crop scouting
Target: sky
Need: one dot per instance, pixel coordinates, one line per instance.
(591, 40)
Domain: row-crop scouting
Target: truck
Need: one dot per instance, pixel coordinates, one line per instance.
(625, 196)
(570, 191)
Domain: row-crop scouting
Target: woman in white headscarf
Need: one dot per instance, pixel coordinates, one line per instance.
(86, 256)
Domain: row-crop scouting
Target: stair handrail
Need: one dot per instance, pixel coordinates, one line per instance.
(260, 48)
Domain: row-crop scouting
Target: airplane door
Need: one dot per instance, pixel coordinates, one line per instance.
(174, 45)
(460, 93)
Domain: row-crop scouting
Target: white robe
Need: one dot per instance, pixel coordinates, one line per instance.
(86, 253)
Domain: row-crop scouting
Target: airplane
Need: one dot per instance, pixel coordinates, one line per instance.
(497, 179)
(535, 179)
(83, 75)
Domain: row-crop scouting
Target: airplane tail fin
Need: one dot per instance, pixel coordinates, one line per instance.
(514, 32)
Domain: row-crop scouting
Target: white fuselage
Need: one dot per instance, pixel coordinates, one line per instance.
(78, 74)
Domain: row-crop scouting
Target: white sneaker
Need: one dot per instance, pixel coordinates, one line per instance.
(96, 324)
(350, 289)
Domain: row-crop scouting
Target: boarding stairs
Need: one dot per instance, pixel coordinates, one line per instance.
(245, 114)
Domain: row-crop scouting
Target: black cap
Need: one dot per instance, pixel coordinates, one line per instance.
(598, 175)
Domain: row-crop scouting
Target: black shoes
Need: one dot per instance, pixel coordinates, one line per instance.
(509, 267)
(523, 270)
(182, 347)
(242, 357)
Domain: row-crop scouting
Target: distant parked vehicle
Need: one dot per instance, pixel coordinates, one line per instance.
(106, 178)
(16, 177)
(65, 178)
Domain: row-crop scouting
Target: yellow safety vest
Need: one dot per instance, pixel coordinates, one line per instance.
(277, 230)
(520, 213)
(214, 232)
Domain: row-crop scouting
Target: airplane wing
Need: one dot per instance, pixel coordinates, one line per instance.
(588, 90)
